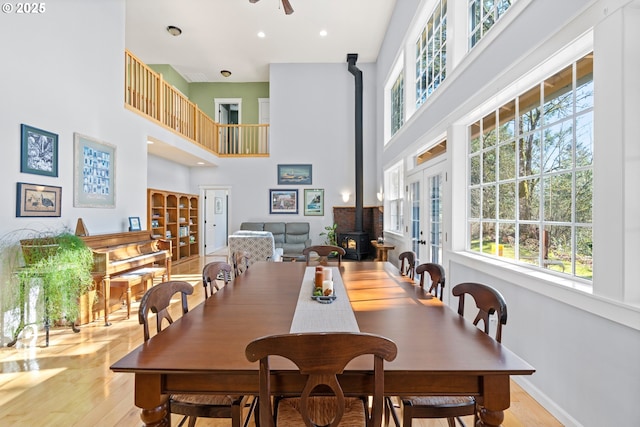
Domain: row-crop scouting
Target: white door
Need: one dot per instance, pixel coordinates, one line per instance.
(216, 220)
(425, 213)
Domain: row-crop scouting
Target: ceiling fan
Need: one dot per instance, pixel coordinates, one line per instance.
(285, 4)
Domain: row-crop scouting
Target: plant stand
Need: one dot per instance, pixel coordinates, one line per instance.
(25, 278)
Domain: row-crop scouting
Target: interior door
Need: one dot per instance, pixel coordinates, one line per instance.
(216, 219)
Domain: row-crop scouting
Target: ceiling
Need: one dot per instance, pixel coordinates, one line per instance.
(223, 34)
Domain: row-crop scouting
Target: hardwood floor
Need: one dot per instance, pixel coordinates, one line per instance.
(69, 383)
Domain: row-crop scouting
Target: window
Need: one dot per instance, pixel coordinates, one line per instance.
(397, 103)
(431, 54)
(531, 175)
(482, 15)
(394, 191)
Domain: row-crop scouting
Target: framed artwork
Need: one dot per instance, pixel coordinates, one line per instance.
(294, 174)
(39, 151)
(217, 205)
(314, 202)
(283, 201)
(134, 223)
(94, 177)
(33, 200)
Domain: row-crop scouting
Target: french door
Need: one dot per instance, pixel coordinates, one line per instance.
(425, 204)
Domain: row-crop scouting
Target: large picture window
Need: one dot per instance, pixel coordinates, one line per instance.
(431, 54)
(531, 175)
(483, 14)
(394, 198)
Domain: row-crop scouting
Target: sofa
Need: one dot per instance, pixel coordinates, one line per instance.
(292, 237)
(259, 245)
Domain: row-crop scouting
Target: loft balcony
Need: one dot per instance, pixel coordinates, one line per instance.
(146, 93)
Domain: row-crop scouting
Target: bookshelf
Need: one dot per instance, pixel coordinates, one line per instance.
(175, 217)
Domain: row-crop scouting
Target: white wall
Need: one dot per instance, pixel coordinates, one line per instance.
(584, 347)
(62, 71)
(312, 122)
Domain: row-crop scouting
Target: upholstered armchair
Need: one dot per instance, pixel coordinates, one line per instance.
(260, 245)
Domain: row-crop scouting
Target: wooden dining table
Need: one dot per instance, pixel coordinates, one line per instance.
(439, 352)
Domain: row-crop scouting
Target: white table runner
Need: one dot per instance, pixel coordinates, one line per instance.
(312, 316)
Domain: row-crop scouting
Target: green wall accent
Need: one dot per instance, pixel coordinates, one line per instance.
(203, 94)
(171, 76)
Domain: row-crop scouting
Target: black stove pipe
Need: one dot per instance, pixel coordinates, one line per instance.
(357, 73)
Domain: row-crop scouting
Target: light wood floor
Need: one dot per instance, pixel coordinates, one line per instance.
(69, 383)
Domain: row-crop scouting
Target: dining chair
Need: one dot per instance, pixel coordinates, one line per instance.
(320, 358)
(408, 258)
(488, 301)
(436, 272)
(240, 262)
(323, 251)
(158, 300)
(211, 273)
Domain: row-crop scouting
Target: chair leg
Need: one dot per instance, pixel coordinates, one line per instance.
(451, 422)
(192, 421)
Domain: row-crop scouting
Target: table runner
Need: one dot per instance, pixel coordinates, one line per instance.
(312, 316)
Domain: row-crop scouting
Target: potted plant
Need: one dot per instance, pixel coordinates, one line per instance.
(330, 233)
(60, 265)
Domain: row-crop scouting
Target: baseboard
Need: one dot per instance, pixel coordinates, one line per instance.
(558, 412)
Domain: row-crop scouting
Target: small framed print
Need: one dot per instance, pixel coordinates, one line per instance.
(294, 174)
(38, 152)
(34, 200)
(314, 202)
(283, 201)
(218, 205)
(134, 223)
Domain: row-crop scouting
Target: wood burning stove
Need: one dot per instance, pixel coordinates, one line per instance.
(355, 243)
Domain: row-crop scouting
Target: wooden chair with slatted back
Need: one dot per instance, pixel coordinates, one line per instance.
(323, 252)
(158, 301)
(210, 274)
(407, 263)
(436, 272)
(240, 262)
(488, 301)
(321, 357)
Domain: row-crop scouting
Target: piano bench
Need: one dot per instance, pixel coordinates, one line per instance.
(143, 276)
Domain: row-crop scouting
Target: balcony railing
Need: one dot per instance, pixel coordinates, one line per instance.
(146, 93)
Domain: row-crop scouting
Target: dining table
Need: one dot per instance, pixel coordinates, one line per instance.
(439, 351)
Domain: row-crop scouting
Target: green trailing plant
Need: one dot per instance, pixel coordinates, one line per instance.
(330, 235)
(57, 263)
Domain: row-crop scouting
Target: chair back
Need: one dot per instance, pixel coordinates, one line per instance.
(407, 263)
(158, 299)
(321, 357)
(210, 273)
(488, 301)
(324, 251)
(436, 272)
(241, 261)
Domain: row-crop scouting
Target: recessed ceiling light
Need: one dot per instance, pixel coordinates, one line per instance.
(201, 163)
(174, 31)
(225, 73)
(261, 34)
(149, 142)
(323, 33)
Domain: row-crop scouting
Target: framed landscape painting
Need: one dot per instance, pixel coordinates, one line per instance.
(34, 200)
(314, 202)
(93, 173)
(283, 201)
(38, 151)
(294, 174)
